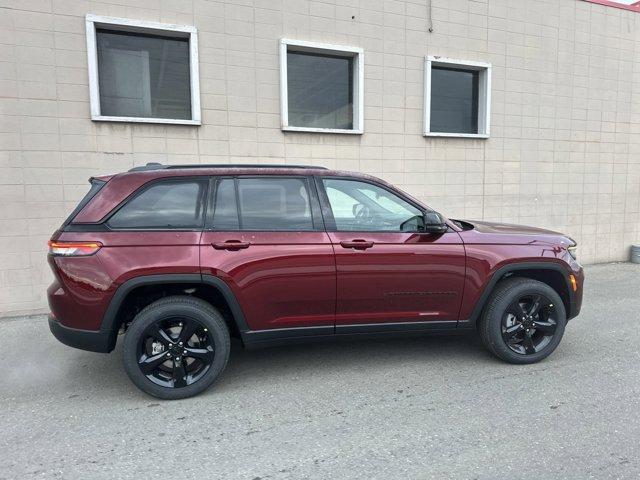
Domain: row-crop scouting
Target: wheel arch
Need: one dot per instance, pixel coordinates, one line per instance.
(550, 273)
(126, 300)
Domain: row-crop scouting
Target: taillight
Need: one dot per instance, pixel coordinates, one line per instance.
(73, 249)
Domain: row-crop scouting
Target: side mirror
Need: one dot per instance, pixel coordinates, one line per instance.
(430, 222)
(434, 223)
(413, 224)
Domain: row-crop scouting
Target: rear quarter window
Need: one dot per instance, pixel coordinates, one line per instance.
(165, 205)
(96, 186)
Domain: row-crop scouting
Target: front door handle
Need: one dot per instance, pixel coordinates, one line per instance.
(230, 245)
(358, 244)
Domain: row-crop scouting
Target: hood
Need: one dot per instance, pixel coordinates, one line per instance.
(505, 233)
(511, 229)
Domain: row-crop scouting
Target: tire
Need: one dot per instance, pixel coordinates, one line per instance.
(160, 325)
(498, 321)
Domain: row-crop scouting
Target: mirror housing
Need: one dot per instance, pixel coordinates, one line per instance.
(434, 223)
(429, 222)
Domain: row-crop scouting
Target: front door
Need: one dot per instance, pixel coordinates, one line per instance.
(387, 272)
(265, 239)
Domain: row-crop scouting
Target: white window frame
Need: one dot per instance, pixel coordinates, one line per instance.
(127, 25)
(356, 53)
(484, 95)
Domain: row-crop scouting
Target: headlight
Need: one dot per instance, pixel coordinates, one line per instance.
(573, 251)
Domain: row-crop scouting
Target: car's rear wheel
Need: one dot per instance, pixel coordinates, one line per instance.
(523, 321)
(176, 347)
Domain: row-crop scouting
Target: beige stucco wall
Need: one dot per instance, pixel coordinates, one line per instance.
(564, 150)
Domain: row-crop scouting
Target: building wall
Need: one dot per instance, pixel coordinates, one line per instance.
(564, 151)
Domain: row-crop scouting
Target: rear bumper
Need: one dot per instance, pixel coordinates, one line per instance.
(94, 341)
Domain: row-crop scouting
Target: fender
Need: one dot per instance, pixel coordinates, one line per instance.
(514, 267)
(110, 325)
(232, 301)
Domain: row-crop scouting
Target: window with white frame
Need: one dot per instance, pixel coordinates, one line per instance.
(457, 98)
(142, 71)
(321, 87)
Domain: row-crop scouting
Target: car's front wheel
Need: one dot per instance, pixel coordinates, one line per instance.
(176, 347)
(523, 321)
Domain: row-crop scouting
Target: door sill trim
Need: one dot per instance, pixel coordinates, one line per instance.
(396, 326)
(252, 338)
(256, 336)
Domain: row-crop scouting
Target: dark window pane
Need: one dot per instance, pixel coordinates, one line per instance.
(165, 205)
(274, 204)
(320, 90)
(454, 100)
(143, 75)
(225, 216)
(362, 206)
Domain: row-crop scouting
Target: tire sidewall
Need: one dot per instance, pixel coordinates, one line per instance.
(155, 312)
(497, 311)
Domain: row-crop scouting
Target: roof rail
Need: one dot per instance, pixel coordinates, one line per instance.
(148, 166)
(160, 166)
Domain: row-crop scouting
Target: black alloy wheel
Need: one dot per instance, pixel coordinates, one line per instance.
(175, 352)
(176, 347)
(523, 320)
(529, 324)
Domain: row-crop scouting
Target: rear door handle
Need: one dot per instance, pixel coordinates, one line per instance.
(230, 245)
(358, 244)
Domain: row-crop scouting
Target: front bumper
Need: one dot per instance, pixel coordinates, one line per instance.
(575, 298)
(94, 341)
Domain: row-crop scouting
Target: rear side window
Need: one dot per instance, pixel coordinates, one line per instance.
(225, 210)
(274, 204)
(269, 203)
(164, 205)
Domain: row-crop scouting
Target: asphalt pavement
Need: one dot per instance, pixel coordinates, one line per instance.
(423, 408)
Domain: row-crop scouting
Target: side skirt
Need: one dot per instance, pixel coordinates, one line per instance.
(288, 336)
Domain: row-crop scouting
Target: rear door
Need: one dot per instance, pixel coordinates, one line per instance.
(387, 271)
(265, 238)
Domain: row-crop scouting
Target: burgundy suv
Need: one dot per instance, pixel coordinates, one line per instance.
(181, 258)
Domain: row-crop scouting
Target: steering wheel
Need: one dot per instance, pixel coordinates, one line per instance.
(363, 214)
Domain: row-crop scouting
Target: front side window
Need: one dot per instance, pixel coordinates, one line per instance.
(164, 206)
(362, 206)
(457, 98)
(274, 204)
(140, 72)
(321, 87)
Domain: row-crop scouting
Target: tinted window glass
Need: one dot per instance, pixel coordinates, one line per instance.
(361, 206)
(96, 185)
(454, 100)
(165, 205)
(225, 216)
(274, 204)
(143, 75)
(320, 90)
